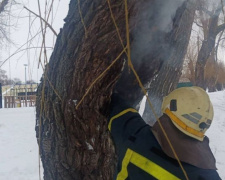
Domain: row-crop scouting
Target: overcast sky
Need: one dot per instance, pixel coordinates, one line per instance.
(21, 33)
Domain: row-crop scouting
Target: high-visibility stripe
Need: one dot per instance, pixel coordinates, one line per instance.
(146, 165)
(120, 114)
(126, 160)
(183, 125)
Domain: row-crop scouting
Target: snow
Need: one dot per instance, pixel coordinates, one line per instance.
(90, 147)
(216, 132)
(19, 149)
(18, 144)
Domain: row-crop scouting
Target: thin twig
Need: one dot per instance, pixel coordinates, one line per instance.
(42, 97)
(82, 20)
(127, 34)
(17, 51)
(54, 89)
(117, 28)
(49, 25)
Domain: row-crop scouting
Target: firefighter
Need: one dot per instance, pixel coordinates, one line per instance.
(143, 151)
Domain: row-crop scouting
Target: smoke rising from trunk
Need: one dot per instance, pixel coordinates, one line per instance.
(151, 24)
(152, 21)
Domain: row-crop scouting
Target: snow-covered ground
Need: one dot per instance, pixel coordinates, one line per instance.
(216, 132)
(19, 150)
(18, 145)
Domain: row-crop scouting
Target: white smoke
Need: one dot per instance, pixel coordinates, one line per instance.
(213, 4)
(167, 10)
(153, 18)
(158, 13)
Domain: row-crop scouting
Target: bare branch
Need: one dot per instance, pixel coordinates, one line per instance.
(19, 49)
(199, 25)
(217, 45)
(220, 28)
(19, 52)
(49, 25)
(3, 4)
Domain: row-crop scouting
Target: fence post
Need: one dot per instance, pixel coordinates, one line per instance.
(5, 101)
(0, 95)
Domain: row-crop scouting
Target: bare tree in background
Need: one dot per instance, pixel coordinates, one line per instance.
(220, 85)
(73, 98)
(17, 81)
(212, 27)
(31, 82)
(207, 38)
(214, 74)
(3, 25)
(190, 61)
(3, 77)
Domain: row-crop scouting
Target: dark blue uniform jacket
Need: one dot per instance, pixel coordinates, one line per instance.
(140, 156)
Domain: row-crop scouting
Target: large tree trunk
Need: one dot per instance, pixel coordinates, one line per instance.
(167, 78)
(75, 143)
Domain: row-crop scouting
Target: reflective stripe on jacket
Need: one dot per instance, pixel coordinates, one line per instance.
(140, 156)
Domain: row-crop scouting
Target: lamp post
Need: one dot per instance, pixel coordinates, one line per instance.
(25, 65)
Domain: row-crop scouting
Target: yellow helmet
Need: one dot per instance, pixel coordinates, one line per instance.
(190, 110)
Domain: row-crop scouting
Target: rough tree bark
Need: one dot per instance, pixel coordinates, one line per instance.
(74, 143)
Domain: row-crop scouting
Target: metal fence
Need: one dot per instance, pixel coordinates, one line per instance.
(19, 101)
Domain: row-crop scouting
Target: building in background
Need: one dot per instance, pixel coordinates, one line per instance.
(15, 95)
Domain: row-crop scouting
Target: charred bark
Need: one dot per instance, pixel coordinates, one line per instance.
(167, 78)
